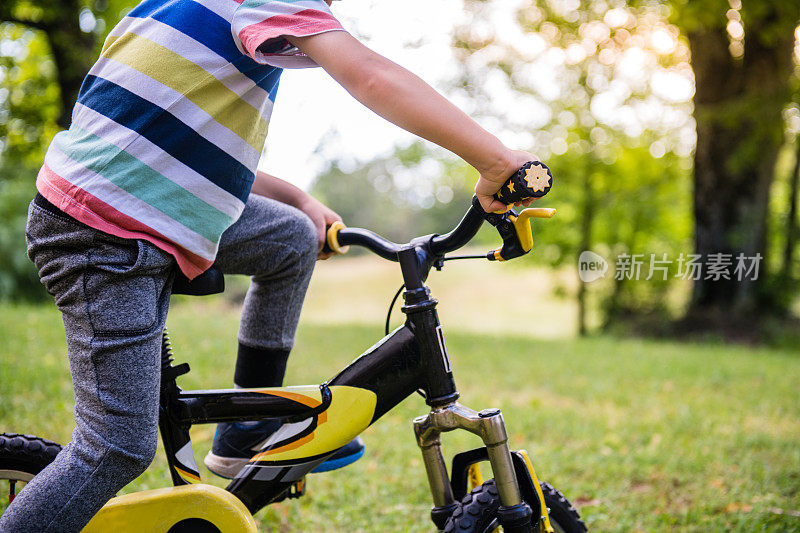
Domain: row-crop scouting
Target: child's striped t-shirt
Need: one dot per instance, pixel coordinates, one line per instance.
(171, 121)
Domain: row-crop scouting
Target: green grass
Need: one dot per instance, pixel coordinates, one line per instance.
(640, 435)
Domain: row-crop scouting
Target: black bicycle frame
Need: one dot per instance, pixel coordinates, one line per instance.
(413, 357)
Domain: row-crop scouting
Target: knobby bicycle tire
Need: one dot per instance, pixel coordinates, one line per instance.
(21, 458)
(477, 511)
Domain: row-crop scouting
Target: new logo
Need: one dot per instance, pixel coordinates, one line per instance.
(591, 266)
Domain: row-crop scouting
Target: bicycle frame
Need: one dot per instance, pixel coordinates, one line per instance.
(320, 419)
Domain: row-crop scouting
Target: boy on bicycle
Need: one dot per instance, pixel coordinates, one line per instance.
(158, 171)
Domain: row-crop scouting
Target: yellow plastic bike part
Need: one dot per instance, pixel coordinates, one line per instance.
(350, 412)
(474, 476)
(156, 511)
(524, 230)
(548, 527)
(332, 237)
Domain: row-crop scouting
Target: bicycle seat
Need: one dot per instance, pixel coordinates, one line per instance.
(212, 281)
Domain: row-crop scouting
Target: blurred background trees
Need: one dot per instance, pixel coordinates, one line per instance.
(744, 71)
(671, 126)
(46, 48)
(609, 86)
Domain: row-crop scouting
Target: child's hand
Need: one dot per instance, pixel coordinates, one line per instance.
(322, 217)
(282, 191)
(491, 179)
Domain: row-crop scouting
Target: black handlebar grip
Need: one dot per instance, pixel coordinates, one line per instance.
(532, 180)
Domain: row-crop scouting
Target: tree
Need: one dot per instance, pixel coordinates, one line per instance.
(73, 30)
(791, 229)
(603, 94)
(46, 48)
(742, 61)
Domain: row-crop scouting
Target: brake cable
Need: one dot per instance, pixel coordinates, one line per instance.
(483, 256)
(391, 306)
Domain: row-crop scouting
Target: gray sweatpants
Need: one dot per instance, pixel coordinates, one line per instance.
(114, 295)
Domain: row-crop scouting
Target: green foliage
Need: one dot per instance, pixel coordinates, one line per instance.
(18, 278)
(617, 139)
(769, 19)
(29, 104)
(45, 49)
(29, 107)
(99, 16)
(693, 14)
(639, 205)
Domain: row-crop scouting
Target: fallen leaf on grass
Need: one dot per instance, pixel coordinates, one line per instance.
(585, 501)
(734, 507)
(787, 512)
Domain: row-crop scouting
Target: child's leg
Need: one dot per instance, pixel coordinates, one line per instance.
(277, 245)
(114, 295)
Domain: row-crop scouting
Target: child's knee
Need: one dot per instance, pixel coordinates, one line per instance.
(124, 453)
(132, 458)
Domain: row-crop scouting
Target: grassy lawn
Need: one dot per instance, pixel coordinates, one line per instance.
(640, 435)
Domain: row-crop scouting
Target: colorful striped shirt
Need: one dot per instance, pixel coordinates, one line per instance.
(171, 121)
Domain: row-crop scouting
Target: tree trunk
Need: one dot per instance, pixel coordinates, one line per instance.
(72, 49)
(73, 53)
(791, 222)
(586, 244)
(738, 105)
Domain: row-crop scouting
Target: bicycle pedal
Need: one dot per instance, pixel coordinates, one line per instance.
(297, 489)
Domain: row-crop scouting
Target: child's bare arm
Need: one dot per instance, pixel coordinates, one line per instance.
(407, 101)
(277, 189)
(284, 192)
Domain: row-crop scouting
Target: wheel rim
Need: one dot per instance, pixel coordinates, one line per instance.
(16, 480)
(493, 526)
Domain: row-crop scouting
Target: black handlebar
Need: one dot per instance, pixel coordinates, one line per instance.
(368, 239)
(532, 180)
(462, 233)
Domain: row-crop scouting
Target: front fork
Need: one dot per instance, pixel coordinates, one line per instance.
(514, 513)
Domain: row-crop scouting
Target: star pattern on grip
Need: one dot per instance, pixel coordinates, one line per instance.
(537, 178)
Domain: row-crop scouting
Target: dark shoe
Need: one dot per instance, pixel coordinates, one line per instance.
(235, 443)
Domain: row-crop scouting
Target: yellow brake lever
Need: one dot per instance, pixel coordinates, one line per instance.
(523, 229)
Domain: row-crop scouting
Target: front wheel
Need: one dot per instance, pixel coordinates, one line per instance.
(478, 512)
(21, 458)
